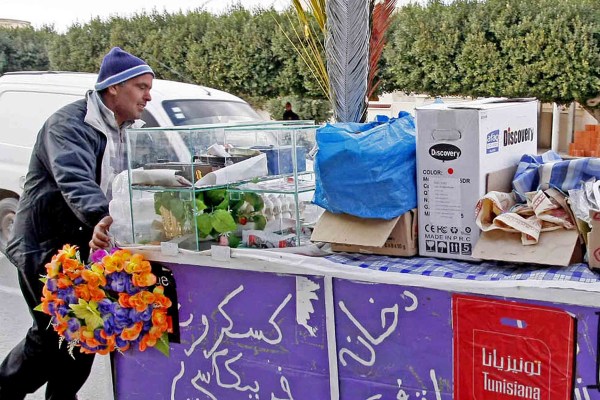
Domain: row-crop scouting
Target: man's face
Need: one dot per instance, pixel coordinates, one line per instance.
(130, 98)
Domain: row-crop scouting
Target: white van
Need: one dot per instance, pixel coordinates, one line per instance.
(27, 99)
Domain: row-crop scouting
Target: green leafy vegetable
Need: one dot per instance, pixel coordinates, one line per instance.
(255, 200)
(222, 221)
(204, 224)
(214, 197)
(259, 221)
(200, 206)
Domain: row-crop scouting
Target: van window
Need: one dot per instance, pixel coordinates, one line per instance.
(195, 112)
(24, 113)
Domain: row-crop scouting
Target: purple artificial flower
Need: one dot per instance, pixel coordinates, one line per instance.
(106, 306)
(146, 315)
(121, 316)
(90, 348)
(109, 325)
(62, 310)
(98, 336)
(147, 326)
(73, 325)
(51, 284)
(98, 255)
(120, 342)
(130, 288)
(118, 281)
(68, 335)
(78, 281)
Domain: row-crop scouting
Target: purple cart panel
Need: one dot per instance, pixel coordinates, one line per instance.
(396, 342)
(393, 342)
(244, 335)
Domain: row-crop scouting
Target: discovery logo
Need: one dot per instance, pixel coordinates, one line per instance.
(444, 152)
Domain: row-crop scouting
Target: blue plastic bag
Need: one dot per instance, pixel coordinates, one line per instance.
(367, 169)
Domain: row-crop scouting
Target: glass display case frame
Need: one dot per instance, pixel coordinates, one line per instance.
(182, 171)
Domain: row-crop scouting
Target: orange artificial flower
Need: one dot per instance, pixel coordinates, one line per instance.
(93, 278)
(141, 300)
(160, 299)
(144, 279)
(124, 300)
(159, 319)
(132, 333)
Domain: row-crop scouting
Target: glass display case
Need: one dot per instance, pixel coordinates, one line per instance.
(242, 185)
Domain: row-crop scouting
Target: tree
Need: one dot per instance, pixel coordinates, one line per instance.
(25, 49)
(538, 48)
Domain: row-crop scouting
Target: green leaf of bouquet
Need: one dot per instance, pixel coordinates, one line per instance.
(162, 344)
(44, 279)
(39, 307)
(204, 224)
(88, 312)
(222, 221)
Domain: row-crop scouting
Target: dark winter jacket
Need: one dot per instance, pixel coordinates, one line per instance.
(62, 200)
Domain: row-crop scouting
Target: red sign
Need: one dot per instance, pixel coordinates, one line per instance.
(506, 350)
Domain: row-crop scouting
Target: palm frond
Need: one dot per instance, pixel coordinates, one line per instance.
(307, 44)
(318, 10)
(347, 54)
(380, 22)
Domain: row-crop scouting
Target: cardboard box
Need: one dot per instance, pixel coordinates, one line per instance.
(458, 145)
(395, 237)
(561, 247)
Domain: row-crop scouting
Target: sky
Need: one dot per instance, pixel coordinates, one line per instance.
(64, 13)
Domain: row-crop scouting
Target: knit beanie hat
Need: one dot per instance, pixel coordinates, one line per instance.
(118, 66)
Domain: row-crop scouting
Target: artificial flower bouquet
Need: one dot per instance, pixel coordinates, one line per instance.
(110, 304)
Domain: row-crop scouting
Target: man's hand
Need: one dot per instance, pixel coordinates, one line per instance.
(100, 237)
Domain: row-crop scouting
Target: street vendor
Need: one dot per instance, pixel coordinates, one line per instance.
(78, 152)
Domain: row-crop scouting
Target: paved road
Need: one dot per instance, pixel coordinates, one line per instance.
(14, 322)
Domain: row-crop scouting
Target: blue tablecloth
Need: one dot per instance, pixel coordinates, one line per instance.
(480, 271)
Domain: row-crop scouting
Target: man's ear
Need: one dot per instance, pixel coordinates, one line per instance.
(112, 90)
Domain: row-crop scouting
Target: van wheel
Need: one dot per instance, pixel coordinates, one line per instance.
(8, 209)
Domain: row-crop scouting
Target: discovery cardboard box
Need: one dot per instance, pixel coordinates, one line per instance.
(457, 146)
(395, 237)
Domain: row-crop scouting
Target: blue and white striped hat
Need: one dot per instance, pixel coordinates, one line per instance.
(119, 66)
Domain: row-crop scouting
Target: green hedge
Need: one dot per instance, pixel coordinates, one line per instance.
(540, 48)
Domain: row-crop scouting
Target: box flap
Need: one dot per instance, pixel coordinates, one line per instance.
(554, 248)
(348, 229)
(488, 103)
(480, 104)
(501, 180)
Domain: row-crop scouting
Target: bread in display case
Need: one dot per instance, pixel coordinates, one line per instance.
(241, 185)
